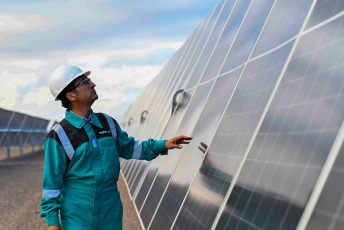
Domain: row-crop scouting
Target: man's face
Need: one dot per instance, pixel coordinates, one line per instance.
(85, 92)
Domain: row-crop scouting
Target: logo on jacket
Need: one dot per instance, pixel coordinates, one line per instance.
(104, 132)
(94, 143)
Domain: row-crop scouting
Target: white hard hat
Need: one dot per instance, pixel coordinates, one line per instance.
(62, 76)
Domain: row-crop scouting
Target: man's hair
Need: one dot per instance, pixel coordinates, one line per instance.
(62, 96)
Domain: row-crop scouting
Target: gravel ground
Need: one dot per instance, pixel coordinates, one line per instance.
(20, 195)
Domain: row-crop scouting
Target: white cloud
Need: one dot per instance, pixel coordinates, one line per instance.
(40, 97)
(97, 58)
(11, 84)
(20, 80)
(20, 23)
(29, 98)
(28, 64)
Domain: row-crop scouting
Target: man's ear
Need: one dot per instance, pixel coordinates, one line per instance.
(70, 96)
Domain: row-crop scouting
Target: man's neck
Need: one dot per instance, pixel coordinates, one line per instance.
(83, 112)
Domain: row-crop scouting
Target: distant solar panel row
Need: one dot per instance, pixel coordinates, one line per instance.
(19, 131)
(261, 87)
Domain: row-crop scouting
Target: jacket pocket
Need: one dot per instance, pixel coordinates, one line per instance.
(108, 144)
(110, 159)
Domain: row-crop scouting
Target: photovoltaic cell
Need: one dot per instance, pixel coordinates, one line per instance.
(161, 99)
(187, 57)
(128, 172)
(161, 181)
(325, 9)
(186, 127)
(194, 152)
(242, 115)
(212, 34)
(215, 37)
(294, 139)
(208, 27)
(263, 154)
(227, 38)
(131, 171)
(216, 164)
(151, 172)
(139, 170)
(329, 211)
(199, 213)
(284, 24)
(148, 181)
(247, 35)
(6, 116)
(17, 119)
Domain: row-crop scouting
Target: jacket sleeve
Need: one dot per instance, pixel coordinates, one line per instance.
(54, 168)
(129, 148)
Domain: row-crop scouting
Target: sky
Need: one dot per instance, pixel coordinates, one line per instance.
(124, 43)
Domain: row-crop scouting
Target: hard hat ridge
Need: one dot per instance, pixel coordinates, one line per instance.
(62, 77)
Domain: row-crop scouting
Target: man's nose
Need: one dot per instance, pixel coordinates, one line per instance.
(92, 85)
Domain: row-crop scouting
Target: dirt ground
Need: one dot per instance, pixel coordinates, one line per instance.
(21, 191)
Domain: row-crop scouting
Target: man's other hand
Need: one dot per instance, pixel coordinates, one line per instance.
(55, 227)
(176, 142)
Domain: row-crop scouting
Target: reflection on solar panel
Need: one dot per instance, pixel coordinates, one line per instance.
(263, 99)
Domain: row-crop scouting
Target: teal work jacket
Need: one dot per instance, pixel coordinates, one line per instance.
(82, 186)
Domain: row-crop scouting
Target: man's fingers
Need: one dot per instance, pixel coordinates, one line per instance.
(178, 146)
(176, 142)
(182, 137)
(185, 142)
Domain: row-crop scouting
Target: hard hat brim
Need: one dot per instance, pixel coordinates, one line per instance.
(86, 73)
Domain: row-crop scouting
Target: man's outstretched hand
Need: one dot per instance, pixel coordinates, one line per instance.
(176, 142)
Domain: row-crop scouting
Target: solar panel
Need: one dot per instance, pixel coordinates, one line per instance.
(163, 110)
(193, 153)
(132, 165)
(263, 97)
(247, 35)
(209, 40)
(149, 208)
(293, 142)
(240, 119)
(325, 10)
(147, 182)
(197, 46)
(289, 13)
(169, 163)
(328, 210)
(328, 213)
(190, 215)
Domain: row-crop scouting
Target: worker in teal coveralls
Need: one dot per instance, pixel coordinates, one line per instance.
(82, 158)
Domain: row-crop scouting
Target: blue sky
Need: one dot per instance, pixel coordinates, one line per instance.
(123, 43)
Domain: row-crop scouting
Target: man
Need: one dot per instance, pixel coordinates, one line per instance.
(82, 158)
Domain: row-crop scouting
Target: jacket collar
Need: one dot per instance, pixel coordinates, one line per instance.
(78, 122)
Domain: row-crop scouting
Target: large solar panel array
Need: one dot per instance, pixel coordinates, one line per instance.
(261, 90)
(19, 131)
